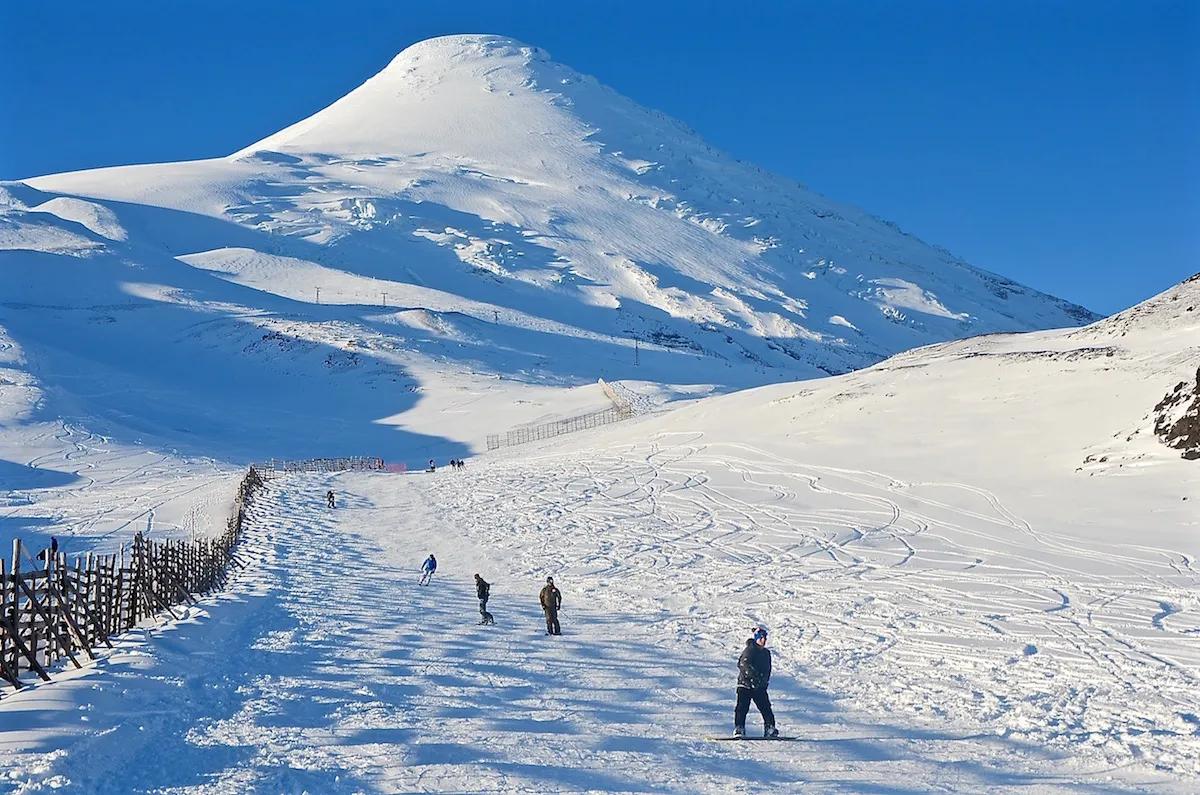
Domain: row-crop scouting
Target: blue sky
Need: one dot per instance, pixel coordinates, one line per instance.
(1053, 142)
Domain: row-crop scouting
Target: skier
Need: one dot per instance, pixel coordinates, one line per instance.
(483, 589)
(427, 569)
(551, 600)
(329, 498)
(754, 675)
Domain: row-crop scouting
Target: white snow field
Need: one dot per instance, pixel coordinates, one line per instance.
(977, 557)
(328, 669)
(977, 563)
(472, 225)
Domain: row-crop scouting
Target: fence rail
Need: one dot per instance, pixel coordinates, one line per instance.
(52, 610)
(276, 467)
(549, 430)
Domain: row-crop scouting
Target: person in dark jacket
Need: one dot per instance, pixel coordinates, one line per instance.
(329, 498)
(51, 552)
(754, 675)
(483, 589)
(551, 600)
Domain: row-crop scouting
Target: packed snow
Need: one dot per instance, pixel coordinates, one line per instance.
(328, 669)
(976, 559)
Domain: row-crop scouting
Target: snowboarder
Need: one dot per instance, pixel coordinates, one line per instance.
(754, 675)
(432, 466)
(551, 600)
(329, 498)
(483, 589)
(427, 569)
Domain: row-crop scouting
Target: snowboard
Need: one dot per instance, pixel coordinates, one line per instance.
(730, 738)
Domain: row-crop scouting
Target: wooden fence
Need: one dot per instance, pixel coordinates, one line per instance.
(276, 467)
(52, 610)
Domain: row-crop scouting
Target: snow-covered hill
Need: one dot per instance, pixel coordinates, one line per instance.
(977, 560)
(475, 213)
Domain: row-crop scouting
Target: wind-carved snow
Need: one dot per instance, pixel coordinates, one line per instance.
(95, 217)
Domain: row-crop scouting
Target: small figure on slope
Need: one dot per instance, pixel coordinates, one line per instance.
(483, 589)
(754, 675)
(432, 466)
(427, 569)
(329, 498)
(51, 552)
(551, 600)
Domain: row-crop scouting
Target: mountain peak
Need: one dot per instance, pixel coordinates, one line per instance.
(476, 178)
(438, 93)
(465, 47)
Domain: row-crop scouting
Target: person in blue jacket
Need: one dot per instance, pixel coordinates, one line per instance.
(427, 569)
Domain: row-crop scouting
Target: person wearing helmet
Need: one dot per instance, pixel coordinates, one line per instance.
(754, 675)
(551, 600)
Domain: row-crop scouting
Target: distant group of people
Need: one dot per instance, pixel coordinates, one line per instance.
(454, 463)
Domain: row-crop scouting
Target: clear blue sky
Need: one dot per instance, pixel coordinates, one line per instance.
(1052, 142)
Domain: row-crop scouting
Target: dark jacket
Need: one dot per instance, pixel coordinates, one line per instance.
(482, 588)
(754, 666)
(551, 598)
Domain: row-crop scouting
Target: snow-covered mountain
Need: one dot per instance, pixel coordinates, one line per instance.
(474, 213)
(977, 561)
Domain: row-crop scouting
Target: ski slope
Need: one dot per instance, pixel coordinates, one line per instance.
(329, 670)
(977, 560)
(975, 547)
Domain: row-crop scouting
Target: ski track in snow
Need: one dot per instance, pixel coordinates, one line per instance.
(927, 599)
(109, 491)
(898, 655)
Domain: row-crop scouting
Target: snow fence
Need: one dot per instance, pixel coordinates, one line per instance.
(549, 430)
(51, 609)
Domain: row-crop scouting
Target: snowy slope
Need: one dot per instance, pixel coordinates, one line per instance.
(977, 559)
(473, 213)
(983, 534)
(304, 679)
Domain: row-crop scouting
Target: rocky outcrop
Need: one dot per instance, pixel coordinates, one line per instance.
(1177, 418)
